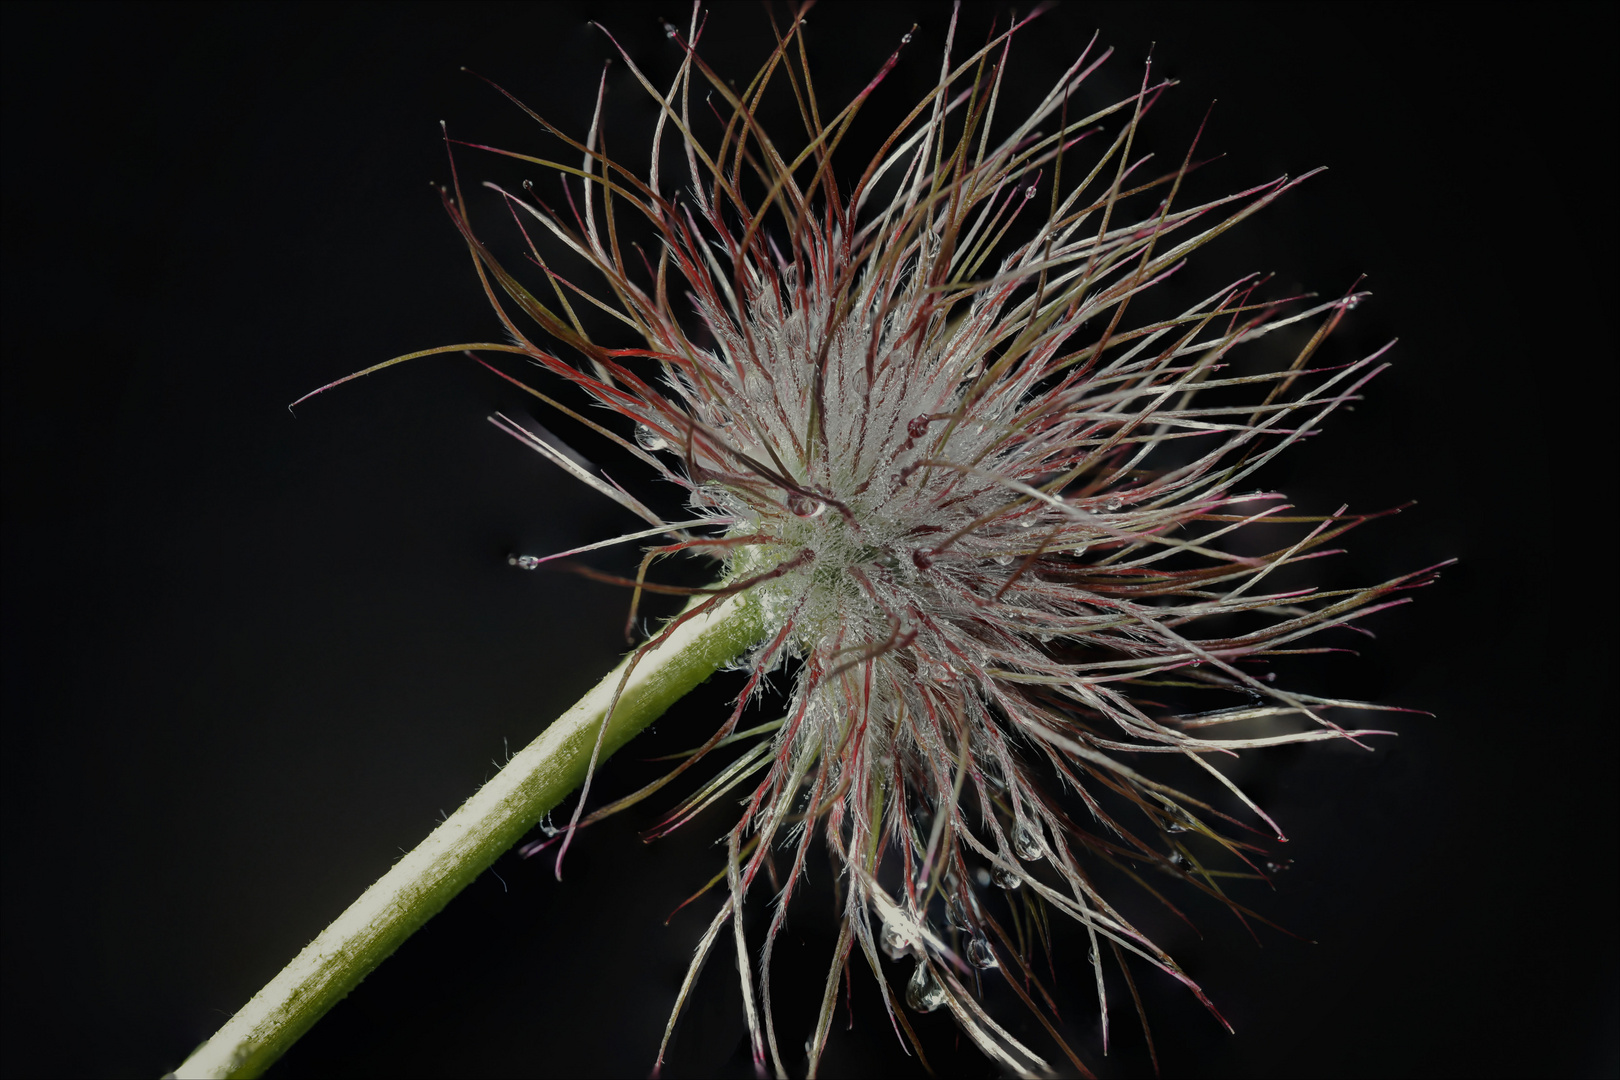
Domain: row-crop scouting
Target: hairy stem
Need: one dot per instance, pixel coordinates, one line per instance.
(468, 842)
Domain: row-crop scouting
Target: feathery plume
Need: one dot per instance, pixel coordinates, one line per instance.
(991, 524)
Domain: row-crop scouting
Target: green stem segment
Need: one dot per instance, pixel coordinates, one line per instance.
(469, 842)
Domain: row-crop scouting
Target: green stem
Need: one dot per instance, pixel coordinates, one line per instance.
(468, 842)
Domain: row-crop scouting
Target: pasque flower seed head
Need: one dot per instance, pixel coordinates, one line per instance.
(990, 522)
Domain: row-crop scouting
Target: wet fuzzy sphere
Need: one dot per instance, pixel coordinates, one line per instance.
(993, 522)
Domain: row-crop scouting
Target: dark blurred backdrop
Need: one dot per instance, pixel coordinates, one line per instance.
(249, 656)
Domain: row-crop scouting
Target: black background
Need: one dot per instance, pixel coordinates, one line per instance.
(249, 656)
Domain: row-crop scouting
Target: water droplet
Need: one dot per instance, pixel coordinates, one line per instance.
(1175, 826)
(906, 40)
(918, 427)
(921, 558)
(1113, 503)
(1351, 302)
(1004, 559)
(982, 876)
(1006, 879)
(981, 955)
(1025, 522)
(1279, 867)
(1177, 859)
(522, 562)
(669, 30)
(1029, 192)
(805, 506)
(1027, 842)
(897, 941)
(923, 992)
(649, 440)
(957, 909)
(1081, 550)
